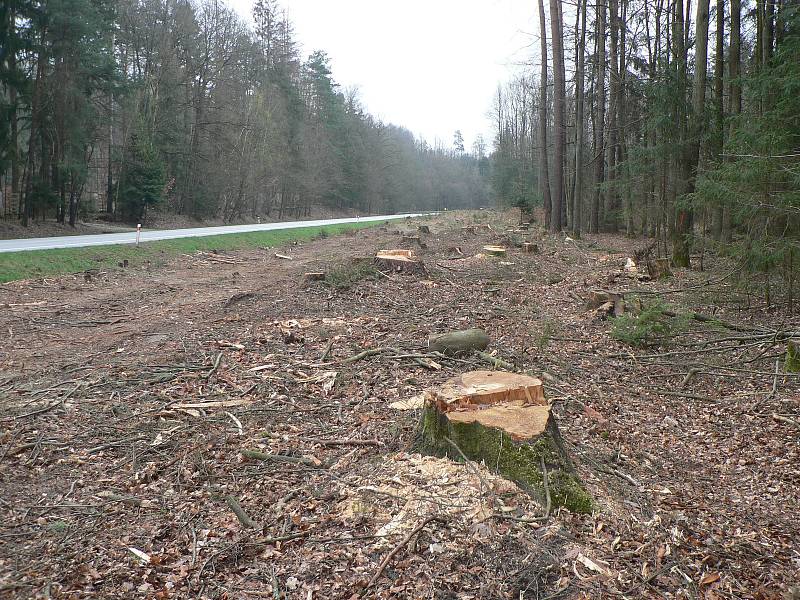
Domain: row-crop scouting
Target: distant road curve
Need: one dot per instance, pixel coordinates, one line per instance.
(106, 239)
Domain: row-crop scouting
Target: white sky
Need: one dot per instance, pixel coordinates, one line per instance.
(429, 65)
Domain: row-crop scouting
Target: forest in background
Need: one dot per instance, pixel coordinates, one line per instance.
(672, 119)
(121, 106)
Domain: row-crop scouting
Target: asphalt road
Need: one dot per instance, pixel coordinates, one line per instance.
(105, 239)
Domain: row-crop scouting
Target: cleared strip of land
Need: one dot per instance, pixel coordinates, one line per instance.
(59, 261)
(109, 239)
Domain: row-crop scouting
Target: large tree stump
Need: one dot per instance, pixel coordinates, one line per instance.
(402, 261)
(503, 420)
(459, 342)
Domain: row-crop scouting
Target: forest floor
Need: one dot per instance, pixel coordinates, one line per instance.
(127, 398)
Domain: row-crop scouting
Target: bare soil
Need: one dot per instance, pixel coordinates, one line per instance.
(127, 398)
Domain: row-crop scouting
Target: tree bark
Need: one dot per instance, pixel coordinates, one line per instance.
(600, 115)
(544, 171)
(559, 116)
(611, 195)
(719, 109)
(577, 196)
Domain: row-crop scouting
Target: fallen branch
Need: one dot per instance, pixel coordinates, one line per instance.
(258, 455)
(497, 363)
(786, 420)
(399, 546)
(365, 354)
(347, 442)
(243, 517)
(546, 482)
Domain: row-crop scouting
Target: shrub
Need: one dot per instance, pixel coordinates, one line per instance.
(344, 276)
(650, 326)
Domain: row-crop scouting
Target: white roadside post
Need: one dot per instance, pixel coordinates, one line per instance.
(138, 233)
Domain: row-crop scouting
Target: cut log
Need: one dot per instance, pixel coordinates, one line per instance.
(401, 261)
(459, 342)
(494, 250)
(530, 248)
(503, 420)
(609, 301)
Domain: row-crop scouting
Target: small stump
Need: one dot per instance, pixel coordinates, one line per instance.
(530, 248)
(503, 420)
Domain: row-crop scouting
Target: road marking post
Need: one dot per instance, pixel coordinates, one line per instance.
(138, 233)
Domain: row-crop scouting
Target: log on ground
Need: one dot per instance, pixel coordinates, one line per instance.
(459, 342)
(503, 420)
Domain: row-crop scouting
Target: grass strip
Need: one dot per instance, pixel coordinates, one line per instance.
(35, 264)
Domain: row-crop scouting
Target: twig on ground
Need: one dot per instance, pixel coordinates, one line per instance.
(217, 362)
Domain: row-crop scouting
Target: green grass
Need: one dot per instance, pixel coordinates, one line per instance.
(46, 263)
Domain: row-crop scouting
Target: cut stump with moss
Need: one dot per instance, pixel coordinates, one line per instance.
(503, 420)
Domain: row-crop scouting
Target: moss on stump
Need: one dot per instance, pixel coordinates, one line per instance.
(510, 429)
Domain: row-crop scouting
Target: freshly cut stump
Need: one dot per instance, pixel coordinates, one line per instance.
(403, 261)
(495, 250)
(503, 420)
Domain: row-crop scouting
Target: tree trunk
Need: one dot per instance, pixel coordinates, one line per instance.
(680, 173)
(559, 117)
(719, 109)
(600, 115)
(611, 196)
(544, 171)
(577, 196)
(34, 135)
(684, 217)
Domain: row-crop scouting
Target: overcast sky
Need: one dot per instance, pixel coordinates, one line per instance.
(429, 65)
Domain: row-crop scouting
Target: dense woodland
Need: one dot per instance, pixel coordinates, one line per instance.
(124, 105)
(673, 119)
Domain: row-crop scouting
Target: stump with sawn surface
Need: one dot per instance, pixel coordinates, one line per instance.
(503, 420)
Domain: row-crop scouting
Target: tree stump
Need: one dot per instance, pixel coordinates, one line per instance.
(459, 342)
(314, 276)
(414, 239)
(469, 229)
(494, 250)
(658, 268)
(530, 248)
(503, 420)
(610, 302)
(401, 261)
(424, 229)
